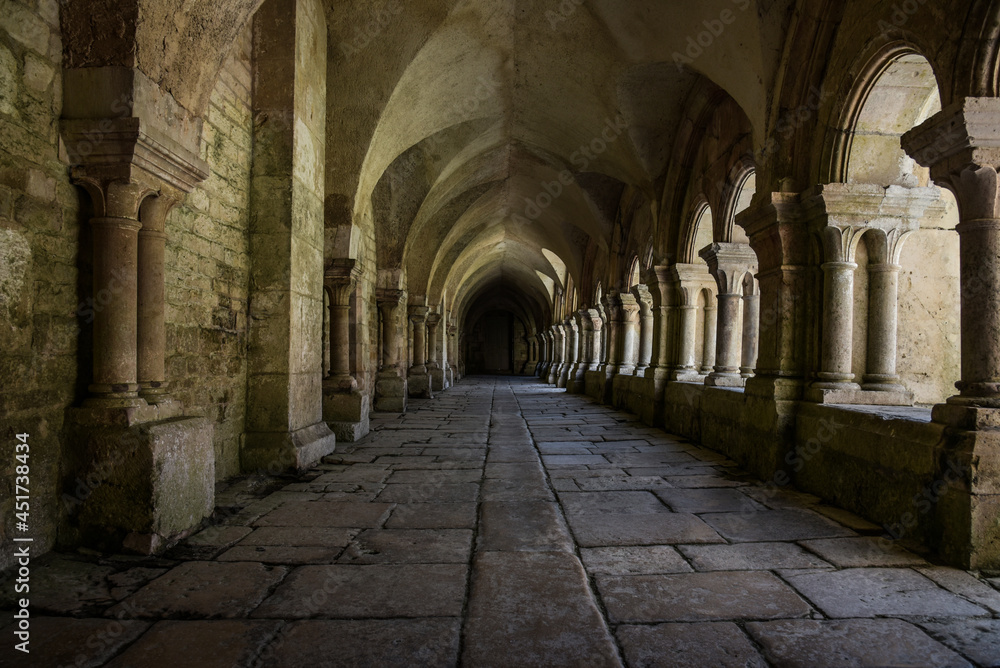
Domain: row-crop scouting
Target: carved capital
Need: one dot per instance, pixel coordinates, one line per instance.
(417, 314)
(729, 263)
(340, 278)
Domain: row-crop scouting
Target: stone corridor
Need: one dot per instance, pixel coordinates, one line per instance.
(507, 523)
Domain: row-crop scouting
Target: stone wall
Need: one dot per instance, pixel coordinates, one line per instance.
(208, 268)
(42, 305)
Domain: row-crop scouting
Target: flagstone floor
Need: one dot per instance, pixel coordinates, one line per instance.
(506, 523)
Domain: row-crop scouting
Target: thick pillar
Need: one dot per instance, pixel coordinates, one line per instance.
(345, 408)
(558, 355)
(572, 347)
(958, 146)
(285, 429)
(418, 379)
(391, 386)
(751, 326)
(729, 263)
(576, 378)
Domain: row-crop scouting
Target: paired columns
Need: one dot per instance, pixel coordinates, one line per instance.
(730, 264)
(419, 380)
(391, 387)
(691, 281)
(845, 215)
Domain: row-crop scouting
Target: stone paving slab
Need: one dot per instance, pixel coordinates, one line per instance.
(203, 589)
(874, 592)
(534, 609)
(573, 461)
(978, 639)
(378, 591)
(433, 477)
(281, 554)
(206, 644)
(716, 644)
(805, 643)
(62, 641)
(432, 516)
(409, 546)
(633, 560)
(611, 502)
(523, 525)
(701, 481)
(695, 597)
(601, 529)
(327, 514)
(961, 583)
(300, 536)
(624, 483)
(713, 500)
(862, 551)
(774, 525)
(446, 492)
(497, 489)
(750, 557)
(368, 642)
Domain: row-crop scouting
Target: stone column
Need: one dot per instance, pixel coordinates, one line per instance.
(116, 257)
(391, 387)
(645, 349)
(419, 380)
(345, 408)
(152, 325)
(662, 293)
(629, 328)
(751, 325)
(838, 326)
(958, 145)
(596, 339)
(687, 335)
(339, 280)
(729, 264)
(613, 310)
(558, 351)
(572, 334)
(708, 349)
(438, 382)
(883, 288)
(453, 354)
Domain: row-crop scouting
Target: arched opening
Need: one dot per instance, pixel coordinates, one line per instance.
(919, 250)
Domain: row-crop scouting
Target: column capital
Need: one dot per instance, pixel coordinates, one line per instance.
(629, 307)
(417, 314)
(728, 264)
(690, 279)
(109, 151)
(959, 138)
(389, 298)
(433, 320)
(340, 277)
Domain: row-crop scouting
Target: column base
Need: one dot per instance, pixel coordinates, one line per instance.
(419, 386)
(725, 379)
(390, 393)
(687, 375)
(134, 484)
(859, 396)
(346, 413)
(439, 380)
(282, 452)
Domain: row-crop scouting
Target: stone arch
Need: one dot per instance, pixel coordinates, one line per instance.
(698, 229)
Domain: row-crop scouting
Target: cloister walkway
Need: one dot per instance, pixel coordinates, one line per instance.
(507, 523)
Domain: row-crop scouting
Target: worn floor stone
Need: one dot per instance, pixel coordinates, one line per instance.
(695, 597)
(206, 644)
(534, 609)
(375, 591)
(977, 639)
(870, 592)
(850, 642)
(372, 642)
(507, 523)
(720, 644)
